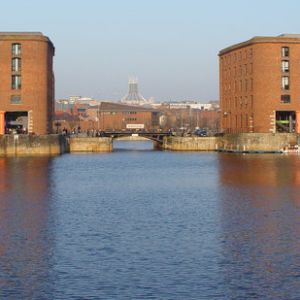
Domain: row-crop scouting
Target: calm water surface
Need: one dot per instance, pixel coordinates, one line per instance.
(143, 224)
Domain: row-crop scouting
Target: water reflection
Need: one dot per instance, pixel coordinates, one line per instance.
(133, 145)
(260, 170)
(25, 242)
(150, 225)
(259, 199)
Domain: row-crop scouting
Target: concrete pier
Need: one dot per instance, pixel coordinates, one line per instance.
(53, 144)
(190, 143)
(243, 142)
(90, 144)
(258, 142)
(32, 145)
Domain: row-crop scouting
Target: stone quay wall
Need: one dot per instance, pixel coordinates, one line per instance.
(32, 145)
(258, 142)
(240, 142)
(190, 143)
(94, 144)
(52, 144)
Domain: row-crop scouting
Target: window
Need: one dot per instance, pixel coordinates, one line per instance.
(251, 122)
(250, 53)
(285, 66)
(15, 99)
(285, 51)
(16, 82)
(16, 49)
(285, 99)
(16, 64)
(285, 83)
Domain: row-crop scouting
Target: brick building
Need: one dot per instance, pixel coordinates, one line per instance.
(26, 83)
(115, 116)
(179, 117)
(260, 85)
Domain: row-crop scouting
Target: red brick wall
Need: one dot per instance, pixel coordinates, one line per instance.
(250, 84)
(37, 92)
(119, 120)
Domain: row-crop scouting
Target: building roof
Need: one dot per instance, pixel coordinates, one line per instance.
(283, 38)
(21, 36)
(117, 107)
(20, 33)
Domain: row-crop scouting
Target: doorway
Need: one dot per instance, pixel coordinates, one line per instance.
(285, 121)
(16, 122)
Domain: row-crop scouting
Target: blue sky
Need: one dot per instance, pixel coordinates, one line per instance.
(171, 46)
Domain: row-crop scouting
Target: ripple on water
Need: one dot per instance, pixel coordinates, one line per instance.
(146, 224)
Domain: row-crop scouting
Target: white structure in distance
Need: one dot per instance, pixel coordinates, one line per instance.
(134, 97)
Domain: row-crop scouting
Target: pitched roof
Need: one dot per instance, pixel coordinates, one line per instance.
(116, 107)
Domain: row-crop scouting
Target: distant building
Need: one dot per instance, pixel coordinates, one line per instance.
(189, 104)
(183, 117)
(260, 85)
(115, 116)
(134, 97)
(63, 105)
(104, 116)
(73, 99)
(26, 83)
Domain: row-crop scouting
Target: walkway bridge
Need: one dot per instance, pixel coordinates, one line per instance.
(154, 136)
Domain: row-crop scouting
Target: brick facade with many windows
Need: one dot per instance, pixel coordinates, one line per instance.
(260, 85)
(26, 83)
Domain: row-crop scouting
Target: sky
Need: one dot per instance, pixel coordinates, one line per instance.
(171, 46)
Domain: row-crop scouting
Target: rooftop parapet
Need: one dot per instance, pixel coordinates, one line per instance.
(283, 38)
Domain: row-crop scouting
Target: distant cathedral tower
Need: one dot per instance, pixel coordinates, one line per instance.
(133, 97)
